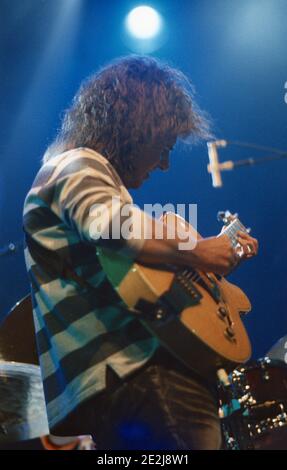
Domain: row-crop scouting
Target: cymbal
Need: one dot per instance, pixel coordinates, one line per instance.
(22, 404)
(279, 350)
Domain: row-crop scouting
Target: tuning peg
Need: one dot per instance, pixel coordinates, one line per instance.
(220, 216)
(225, 216)
(248, 230)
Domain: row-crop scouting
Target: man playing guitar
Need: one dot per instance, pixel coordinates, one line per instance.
(103, 372)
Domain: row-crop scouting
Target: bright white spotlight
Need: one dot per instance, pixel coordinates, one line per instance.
(144, 22)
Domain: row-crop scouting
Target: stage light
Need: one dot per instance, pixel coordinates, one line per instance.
(144, 22)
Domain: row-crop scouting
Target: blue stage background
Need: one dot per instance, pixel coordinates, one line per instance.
(236, 55)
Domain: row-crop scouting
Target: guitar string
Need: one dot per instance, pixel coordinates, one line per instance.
(191, 275)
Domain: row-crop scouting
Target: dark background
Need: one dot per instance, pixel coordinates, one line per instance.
(235, 52)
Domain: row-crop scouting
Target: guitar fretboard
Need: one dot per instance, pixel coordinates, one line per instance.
(232, 229)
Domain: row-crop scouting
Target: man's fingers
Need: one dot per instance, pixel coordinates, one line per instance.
(249, 248)
(249, 244)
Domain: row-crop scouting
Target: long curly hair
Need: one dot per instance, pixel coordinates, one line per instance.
(134, 100)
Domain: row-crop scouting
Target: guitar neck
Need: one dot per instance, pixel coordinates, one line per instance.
(232, 229)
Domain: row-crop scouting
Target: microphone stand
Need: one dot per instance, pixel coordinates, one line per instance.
(11, 248)
(230, 165)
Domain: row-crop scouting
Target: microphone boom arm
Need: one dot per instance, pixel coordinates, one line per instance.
(216, 167)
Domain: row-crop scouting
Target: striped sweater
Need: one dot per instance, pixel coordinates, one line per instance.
(78, 332)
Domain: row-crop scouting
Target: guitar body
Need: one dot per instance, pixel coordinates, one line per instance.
(195, 315)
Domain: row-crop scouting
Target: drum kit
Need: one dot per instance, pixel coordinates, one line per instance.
(22, 404)
(252, 408)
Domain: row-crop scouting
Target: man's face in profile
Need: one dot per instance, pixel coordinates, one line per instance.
(147, 160)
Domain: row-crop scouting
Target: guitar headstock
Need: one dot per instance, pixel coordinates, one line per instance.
(228, 218)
